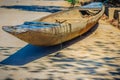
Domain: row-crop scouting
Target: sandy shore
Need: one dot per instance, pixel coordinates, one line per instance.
(35, 2)
(93, 56)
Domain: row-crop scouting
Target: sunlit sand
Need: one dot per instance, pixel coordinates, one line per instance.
(92, 56)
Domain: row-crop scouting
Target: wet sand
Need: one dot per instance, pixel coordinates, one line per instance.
(92, 56)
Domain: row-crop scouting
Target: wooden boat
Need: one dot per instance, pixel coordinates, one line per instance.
(57, 27)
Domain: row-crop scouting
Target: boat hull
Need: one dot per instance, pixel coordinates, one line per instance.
(56, 35)
(44, 39)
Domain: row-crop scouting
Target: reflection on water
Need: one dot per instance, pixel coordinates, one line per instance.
(36, 8)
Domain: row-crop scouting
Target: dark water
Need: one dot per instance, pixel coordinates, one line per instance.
(51, 9)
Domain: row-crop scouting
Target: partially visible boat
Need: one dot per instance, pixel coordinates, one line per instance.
(57, 27)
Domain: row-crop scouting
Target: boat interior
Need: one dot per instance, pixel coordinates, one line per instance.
(69, 16)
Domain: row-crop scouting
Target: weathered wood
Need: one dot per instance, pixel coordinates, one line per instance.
(67, 25)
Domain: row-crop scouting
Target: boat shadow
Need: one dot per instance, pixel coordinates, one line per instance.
(35, 8)
(30, 53)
